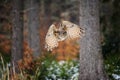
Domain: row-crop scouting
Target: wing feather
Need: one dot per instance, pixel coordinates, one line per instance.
(73, 30)
(51, 41)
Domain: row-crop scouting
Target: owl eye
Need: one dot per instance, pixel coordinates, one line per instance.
(65, 32)
(56, 33)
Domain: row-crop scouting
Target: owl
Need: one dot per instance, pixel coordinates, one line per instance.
(61, 31)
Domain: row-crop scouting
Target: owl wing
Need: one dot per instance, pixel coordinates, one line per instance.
(51, 41)
(73, 30)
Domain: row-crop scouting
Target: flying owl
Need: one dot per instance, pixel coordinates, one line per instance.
(60, 32)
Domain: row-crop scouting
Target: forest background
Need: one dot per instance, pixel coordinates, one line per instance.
(50, 11)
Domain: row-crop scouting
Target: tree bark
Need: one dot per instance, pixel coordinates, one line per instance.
(91, 60)
(17, 33)
(33, 25)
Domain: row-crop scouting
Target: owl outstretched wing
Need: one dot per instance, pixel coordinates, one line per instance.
(51, 41)
(73, 30)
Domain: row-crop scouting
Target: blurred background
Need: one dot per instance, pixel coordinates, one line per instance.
(53, 10)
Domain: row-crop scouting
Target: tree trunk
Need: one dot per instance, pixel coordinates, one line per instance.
(32, 25)
(91, 60)
(17, 32)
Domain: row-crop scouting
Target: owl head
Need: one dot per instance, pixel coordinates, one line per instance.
(59, 31)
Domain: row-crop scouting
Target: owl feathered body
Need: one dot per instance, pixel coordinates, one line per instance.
(64, 30)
